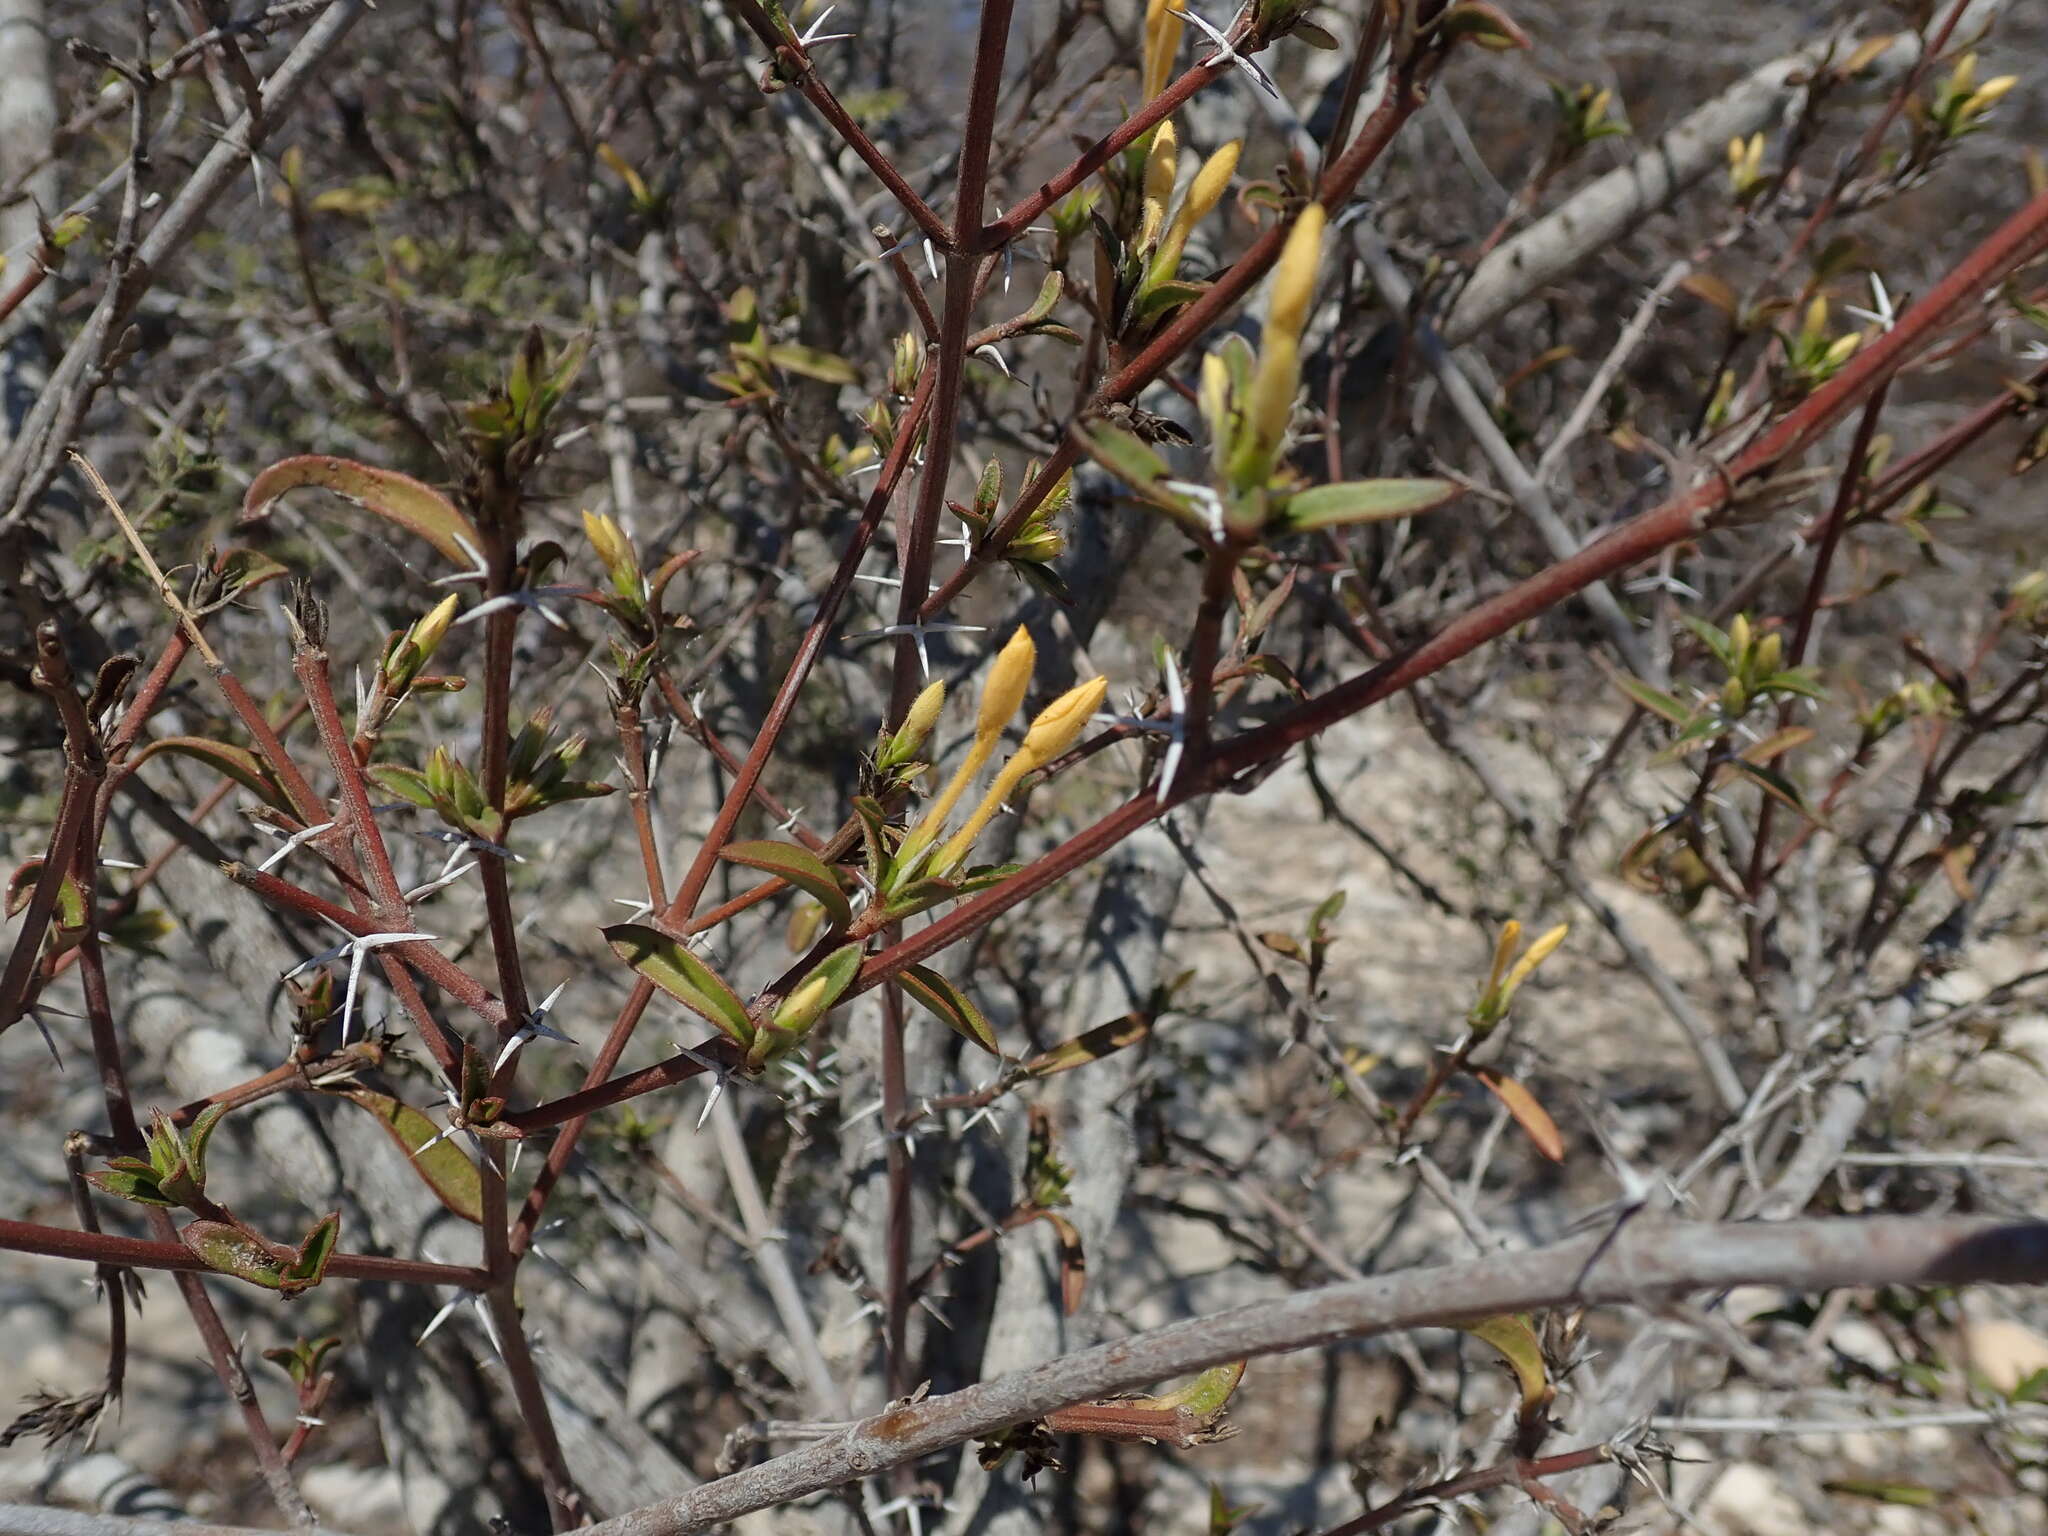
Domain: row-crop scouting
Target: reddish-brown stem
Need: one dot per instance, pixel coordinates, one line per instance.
(978, 134)
(898, 1216)
(1518, 1473)
(782, 45)
(141, 1253)
(663, 1074)
(993, 237)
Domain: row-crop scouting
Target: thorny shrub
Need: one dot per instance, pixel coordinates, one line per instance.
(1228, 407)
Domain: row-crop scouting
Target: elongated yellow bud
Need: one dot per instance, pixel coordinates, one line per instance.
(1163, 29)
(613, 548)
(1004, 693)
(1008, 681)
(1061, 721)
(1204, 193)
(1536, 954)
(917, 724)
(1162, 164)
(1055, 730)
(427, 633)
(1271, 406)
(922, 715)
(1294, 279)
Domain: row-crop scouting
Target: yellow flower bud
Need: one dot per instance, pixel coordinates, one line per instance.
(1965, 75)
(613, 548)
(1294, 279)
(924, 712)
(1989, 92)
(1001, 697)
(1271, 406)
(1008, 681)
(1061, 721)
(1207, 189)
(1162, 164)
(1055, 730)
(1163, 29)
(1536, 955)
(1816, 317)
(427, 633)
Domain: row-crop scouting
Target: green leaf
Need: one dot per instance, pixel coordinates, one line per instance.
(237, 763)
(228, 1251)
(1364, 501)
(1912, 1495)
(195, 1140)
(670, 965)
(953, 1006)
(800, 867)
(407, 784)
(400, 499)
(1048, 295)
(1101, 1041)
(138, 1184)
(812, 363)
(1124, 455)
(1655, 700)
(1776, 785)
(445, 1167)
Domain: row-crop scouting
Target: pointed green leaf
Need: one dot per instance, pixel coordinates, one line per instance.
(671, 966)
(953, 1006)
(1655, 700)
(1048, 295)
(1207, 1393)
(411, 504)
(195, 1141)
(800, 867)
(445, 1167)
(309, 1266)
(1364, 501)
(237, 763)
(135, 1184)
(408, 784)
(1124, 455)
(812, 363)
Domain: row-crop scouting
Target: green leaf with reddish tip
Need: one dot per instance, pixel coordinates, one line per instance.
(237, 763)
(411, 504)
(1364, 501)
(445, 1167)
(953, 1006)
(800, 867)
(309, 1266)
(227, 1250)
(670, 965)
